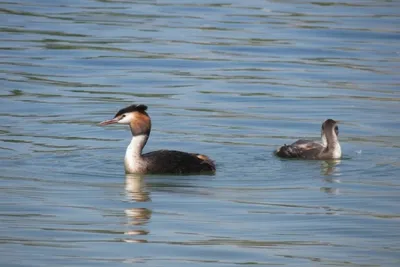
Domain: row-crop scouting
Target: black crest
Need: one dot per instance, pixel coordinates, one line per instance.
(132, 108)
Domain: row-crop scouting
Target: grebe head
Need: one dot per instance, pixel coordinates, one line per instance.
(329, 132)
(134, 115)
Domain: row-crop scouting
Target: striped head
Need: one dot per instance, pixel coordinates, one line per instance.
(134, 115)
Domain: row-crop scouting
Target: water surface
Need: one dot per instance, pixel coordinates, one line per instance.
(230, 79)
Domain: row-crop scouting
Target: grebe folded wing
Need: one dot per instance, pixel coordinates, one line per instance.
(307, 144)
(305, 149)
(178, 162)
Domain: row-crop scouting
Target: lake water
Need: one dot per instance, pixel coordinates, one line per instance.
(230, 79)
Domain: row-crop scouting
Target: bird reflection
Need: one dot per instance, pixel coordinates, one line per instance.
(138, 216)
(331, 170)
(330, 167)
(135, 189)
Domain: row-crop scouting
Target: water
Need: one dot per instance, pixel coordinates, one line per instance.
(230, 79)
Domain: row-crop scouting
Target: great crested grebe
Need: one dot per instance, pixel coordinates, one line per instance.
(328, 148)
(161, 161)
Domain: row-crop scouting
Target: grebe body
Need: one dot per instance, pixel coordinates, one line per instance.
(156, 162)
(328, 148)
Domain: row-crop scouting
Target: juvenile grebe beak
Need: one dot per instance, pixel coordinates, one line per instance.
(115, 120)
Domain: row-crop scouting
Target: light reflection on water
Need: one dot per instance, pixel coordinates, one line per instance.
(233, 80)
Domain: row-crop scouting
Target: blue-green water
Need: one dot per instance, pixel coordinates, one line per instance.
(229, 79)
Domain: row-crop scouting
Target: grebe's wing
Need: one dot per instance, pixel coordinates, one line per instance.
(178, 162)
(307, 144)
(305, 149)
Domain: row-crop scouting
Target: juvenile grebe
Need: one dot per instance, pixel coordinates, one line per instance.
(161, 161)
(328, 148)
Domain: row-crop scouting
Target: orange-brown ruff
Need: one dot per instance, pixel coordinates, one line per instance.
(161, 161)
(328, 148)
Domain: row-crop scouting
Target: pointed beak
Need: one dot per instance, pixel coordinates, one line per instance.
(115, 120)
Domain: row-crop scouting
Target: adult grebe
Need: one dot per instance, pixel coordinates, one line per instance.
(161, 161)
(328, 148)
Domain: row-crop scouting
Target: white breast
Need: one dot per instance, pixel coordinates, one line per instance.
(134, 162)
(337, 151)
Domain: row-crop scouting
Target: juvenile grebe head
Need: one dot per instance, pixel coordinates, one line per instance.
(134, 115)
(329, 132)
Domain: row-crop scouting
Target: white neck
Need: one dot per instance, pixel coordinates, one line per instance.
(323, 140)
(336, 149)
(133, 155)
(333, 145)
